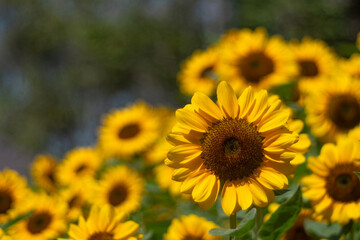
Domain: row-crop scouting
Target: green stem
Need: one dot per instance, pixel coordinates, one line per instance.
(352, 232)
(232, 223)
(258, 222)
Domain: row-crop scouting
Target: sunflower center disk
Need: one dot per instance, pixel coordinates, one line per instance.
(308, 68)
(74, 202)
(38, 222)
(129, 131)
(342, 184)
(117, 195)
(5, 202)
(232, 149)
(344, 111)
(208, 72)
(101, 236)
(191, 237)
(255, 66)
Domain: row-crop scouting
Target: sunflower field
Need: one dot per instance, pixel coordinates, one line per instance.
(222, 125)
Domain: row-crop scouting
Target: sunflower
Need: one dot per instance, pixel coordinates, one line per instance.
(121, 188)
(46, 221)
(333, 188)
(198, 72)
(334, 108)
(243, 143)
(79, 163)
(297, 231)
(315, 60)
(13, 190)
(190, 227)
(77, 196)
(251, 58)
(351, 66)
(104, 223)
(128, 131)
(43, 171)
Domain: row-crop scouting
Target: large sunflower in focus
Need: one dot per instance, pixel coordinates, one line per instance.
(251, 58)
(242, 142)
(104, 223)
(333, 188)
(315, 61)
(190, 227)
(128, 131)
(120, 187)
(78, 164)
(43, 170)
(13, 191)
(334, 108)
(198, 73)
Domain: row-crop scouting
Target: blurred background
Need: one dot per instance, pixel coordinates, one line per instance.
(64, 64)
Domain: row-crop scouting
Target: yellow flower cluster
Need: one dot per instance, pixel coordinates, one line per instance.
(237, 144)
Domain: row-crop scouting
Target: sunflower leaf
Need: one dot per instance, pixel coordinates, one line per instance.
(246, 224)
(357, 174)
(283, 218)
(16, 220)
(323, 230)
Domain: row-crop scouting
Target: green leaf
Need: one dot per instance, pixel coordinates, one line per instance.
(246, 224)
(283, 218)
(323, 230)
(357, 174)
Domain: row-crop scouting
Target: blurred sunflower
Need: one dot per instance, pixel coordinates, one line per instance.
(128, 131)
(242, 142)
(190, 227)
(77, 196)
(315, 60)
(46, 221)
(156, 153)
(198, 72)
(334, 108)
(351, 66)
(163, 175)
(43, 171)
(79, 163)
(121, 188)
(104, 224)
(333, 188)
(297, 231)
(13, 190)
(251, 58)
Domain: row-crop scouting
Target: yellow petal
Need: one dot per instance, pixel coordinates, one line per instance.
(203, 188)
(227, 100)
(259, 196)
(244, 196)
(188, 185)
(260, 106)
(212, 198)
(228, 198)
(181, 152)
(246, 101)
(191, 120)
(205, 105)
(272, 179)
(276, 120)
(125, 230)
